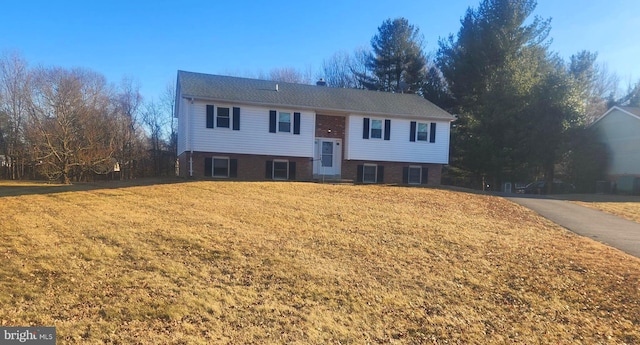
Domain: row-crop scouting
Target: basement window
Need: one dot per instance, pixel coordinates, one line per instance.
(369, 173)
(415, 175)
(280, 170)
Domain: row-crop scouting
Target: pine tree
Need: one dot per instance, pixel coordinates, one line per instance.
(397, 61)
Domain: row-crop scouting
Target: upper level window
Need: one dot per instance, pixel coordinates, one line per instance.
(376, 129)
(223, 117)
(423, 131)
(284, 122)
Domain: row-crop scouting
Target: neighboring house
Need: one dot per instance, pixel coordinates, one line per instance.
(619, 130)
(252, 129)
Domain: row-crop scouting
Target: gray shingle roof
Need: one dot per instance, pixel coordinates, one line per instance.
(312, 97)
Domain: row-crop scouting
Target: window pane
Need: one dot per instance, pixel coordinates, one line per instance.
(284, 122)
(376, 129)
(280, 170)
(369, 173)
(423, 129)
(223, 118)
(327, 154)
(414, 175)
(220, 167)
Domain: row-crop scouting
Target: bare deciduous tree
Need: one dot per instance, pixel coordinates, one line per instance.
(14, 98)
(128, 101)
(70, 128)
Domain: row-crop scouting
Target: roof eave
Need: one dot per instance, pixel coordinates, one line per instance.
(322, 109)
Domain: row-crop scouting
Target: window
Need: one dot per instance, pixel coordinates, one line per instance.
(223, 117)
(284, 122)
(423, 131)
(220, 167)
(414, 175)
(369, 173)
(280, 170)
(376, 129)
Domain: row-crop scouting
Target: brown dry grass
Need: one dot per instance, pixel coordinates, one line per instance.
(224, 262)
(629, 210)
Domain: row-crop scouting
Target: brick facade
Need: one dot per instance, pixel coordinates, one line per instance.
(330, 127)
(392, 170)
(250, 167)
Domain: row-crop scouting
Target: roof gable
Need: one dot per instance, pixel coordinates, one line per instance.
(631, 111)
(317, 98)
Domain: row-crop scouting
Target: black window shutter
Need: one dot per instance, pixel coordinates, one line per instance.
(425, 175)
(233, 168)
(387, 129)
(365, 128)
(272, 121)
(269, 170)
(209, 116)
(296, 123)
(405, 175)
(412, 133)
(236, 118)
(208, 166)
(380, 177)
(292, 170)
(432, 133)
(359, 173)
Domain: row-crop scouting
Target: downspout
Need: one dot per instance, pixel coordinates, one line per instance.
(190, 137)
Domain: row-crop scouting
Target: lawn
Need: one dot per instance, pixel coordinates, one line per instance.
(625, 209)
(301, 263)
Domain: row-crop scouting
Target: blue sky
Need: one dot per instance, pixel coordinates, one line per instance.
(150, 40)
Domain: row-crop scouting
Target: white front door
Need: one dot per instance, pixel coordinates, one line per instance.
(328, 158)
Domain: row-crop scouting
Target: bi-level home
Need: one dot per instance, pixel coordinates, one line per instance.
(249, 129)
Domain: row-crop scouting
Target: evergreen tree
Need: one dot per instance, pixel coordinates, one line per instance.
(397, 61)
(492, 69)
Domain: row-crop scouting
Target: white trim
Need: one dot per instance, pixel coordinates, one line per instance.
(428, 131)
(273, 169)
(291, 115)
(229, 117)
(371, 119)
(409, 174)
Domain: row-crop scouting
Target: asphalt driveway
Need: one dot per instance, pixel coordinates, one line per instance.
(600, 226)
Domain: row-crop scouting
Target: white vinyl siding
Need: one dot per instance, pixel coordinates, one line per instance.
(398, 148)
(620, 132)
(183, 127)
(253, 136)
